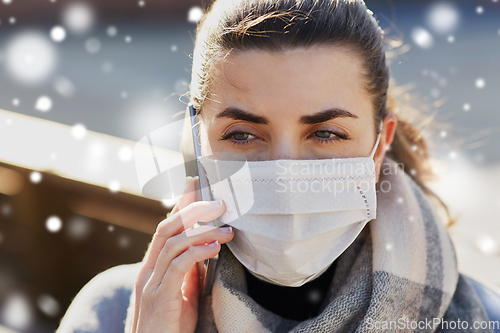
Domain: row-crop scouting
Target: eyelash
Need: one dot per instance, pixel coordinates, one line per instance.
(336, 137)
(227, 136)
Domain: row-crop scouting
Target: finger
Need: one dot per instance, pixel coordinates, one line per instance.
(187, 197)
(203, 211)
(191, 286)
(174, 277)
(181, 243)
(197, 192)
(140, 282)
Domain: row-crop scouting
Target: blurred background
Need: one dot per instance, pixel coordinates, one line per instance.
(83, 81)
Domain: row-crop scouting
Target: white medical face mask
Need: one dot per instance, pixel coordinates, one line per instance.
(293, 218)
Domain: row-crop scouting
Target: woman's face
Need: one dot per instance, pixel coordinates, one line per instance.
(299, 104)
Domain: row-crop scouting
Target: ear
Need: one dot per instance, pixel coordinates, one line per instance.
(389, 125)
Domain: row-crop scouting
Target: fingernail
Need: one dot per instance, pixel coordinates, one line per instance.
(188, 179)
(226, 230)
(216, 204)
(214, 244)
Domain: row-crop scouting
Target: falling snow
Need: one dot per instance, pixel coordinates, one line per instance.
(314, 296)
(93, 45)
(17, 312)
(64, 87)
(195, 14)
(35, 177)
(6, 210)
(78, 131)
(443, 17)
(30, 58)
(58, 34)
(168, 203)
(48, 305)
(32, 61)
(486, 245)
(422, 38)
(78, 17)
(53, 224)
(112, 31)
(480, 83)
(43, 104)
(123, 241)
(114, 186)
(78, 228)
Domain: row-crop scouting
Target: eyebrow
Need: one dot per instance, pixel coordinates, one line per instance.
(320, 117)
(238, 114)
(326, 115)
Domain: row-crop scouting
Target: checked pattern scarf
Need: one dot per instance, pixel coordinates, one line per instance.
(402, 269)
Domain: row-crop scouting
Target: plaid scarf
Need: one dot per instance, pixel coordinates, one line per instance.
(399, 275)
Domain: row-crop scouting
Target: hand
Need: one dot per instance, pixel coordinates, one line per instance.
(167, 287)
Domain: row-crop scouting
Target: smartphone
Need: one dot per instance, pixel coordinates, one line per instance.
(206, 268)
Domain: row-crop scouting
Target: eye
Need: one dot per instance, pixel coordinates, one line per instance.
(241, 136)
(327, 136)
(324, 134)
(238, 137)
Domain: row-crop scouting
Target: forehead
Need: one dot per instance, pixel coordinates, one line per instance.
(297, 79)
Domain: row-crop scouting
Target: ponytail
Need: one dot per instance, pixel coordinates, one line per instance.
(410, 149)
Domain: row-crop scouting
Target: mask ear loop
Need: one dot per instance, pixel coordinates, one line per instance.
(377, 141)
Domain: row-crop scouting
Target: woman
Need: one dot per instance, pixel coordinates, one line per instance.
(305, 82)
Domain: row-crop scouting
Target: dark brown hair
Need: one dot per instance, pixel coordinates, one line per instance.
(280, 25)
